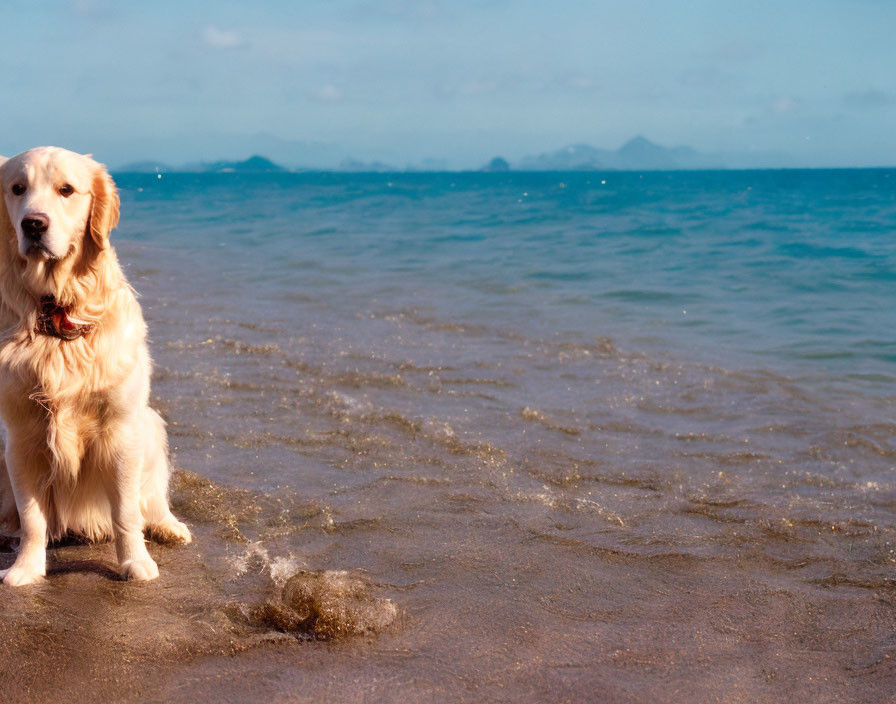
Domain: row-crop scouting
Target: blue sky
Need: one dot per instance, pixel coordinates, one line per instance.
(767, 83)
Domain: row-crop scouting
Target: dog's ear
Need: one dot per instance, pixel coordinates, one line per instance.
(105, 207)
(4, 216)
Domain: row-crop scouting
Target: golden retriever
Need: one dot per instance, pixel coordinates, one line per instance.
(85, 454)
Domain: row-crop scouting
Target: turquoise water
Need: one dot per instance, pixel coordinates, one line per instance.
(620, 433)
(791, 271)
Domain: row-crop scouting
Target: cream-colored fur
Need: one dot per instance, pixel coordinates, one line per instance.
(85, 453)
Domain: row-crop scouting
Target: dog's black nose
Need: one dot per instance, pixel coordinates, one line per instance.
(35, 225)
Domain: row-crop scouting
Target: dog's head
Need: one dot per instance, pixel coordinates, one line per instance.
(57, 202)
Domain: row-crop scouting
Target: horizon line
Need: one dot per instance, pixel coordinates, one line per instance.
(337, 170)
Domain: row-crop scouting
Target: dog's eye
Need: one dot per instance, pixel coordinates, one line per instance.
(66, 190)
(18, 189)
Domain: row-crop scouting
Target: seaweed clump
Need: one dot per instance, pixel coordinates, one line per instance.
(325, 605)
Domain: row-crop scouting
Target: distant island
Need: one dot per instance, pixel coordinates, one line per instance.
(497, 164)
(253, 165)
(356, 166)
(637, 154)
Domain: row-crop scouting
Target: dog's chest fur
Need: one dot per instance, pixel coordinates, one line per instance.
(71, 391)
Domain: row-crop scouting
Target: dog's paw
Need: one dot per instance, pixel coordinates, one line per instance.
(19, 576)
(139, 570)
(171, 530)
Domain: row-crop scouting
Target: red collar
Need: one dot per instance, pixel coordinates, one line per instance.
(53, 320)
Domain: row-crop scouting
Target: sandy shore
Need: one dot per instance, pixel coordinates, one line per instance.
(631, 625)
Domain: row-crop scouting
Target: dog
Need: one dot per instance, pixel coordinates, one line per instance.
(84, 452)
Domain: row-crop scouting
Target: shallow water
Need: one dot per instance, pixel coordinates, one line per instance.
(628, 439)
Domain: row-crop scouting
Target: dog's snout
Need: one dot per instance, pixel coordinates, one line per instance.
(34, 225)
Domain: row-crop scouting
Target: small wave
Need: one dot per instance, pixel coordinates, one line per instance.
(645, 296)
(254, 327)
(727, 459)
(716, 513)
(538, 417)
(659, 552)
(804, 250)
(231, 345)
(550, 499)
(418, 481)
(477, 382)
(242, 514)
(849, 528)
(266, 439)
(863, 438)
(357, 379)
(844, 580)
(411, 367)
(431, 323)
(196, 498)
(350, 410)
(352, 378)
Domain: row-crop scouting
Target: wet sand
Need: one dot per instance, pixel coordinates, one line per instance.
(552, 517)
(562, 619)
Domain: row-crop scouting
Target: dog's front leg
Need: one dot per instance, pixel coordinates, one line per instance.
(9, 514)
(24, 469)
(123, 483)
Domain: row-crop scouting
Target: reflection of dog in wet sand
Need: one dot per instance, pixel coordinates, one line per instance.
(84, 452)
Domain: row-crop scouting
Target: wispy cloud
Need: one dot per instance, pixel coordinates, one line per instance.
(218, 38)
(785, 105)
(578, 81)
(94, 9)
(328, 93)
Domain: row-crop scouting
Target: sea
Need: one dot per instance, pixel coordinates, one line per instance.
(505, 437)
